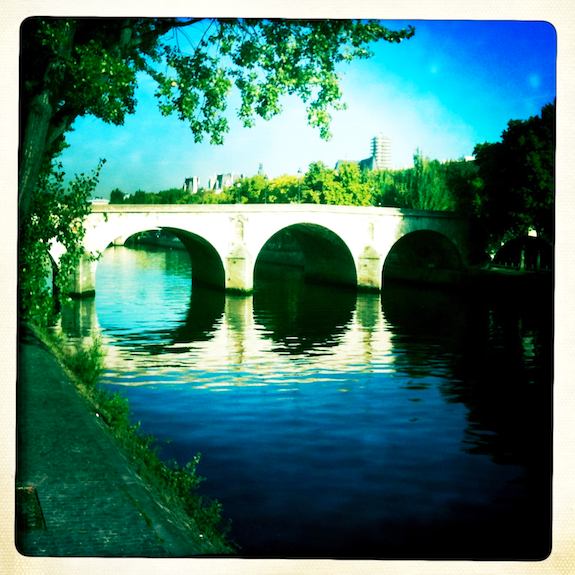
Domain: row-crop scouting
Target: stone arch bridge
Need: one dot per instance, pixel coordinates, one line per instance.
(346, 245)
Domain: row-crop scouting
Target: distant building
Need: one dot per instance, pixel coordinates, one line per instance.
(380, 158)
(192, 185)
(380, 152)
(99, 201)
(222, 181)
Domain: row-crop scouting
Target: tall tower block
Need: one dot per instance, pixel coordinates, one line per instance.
(381, 152)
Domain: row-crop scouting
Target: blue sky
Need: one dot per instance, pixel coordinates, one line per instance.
(453, 85)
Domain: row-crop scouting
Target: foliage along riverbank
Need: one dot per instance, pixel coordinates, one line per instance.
(175, 486)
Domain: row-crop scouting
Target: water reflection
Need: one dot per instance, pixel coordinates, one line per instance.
(298, 317)
(144, 316)
(493, 355)
(344, 424)
(204, 313)
(496, 367)
(78, 319)
(427, 326)
(496, 351)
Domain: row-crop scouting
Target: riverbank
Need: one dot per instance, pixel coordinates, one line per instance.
(78, 493)
(495, 279)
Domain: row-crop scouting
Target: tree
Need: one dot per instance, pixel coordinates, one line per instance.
(428, 189)
(518, 180)
(74, 67)
(284, 189)
(117, 196)
(463, 182)
(356, 190)
(255, 189)
(429, 185)
(388, 188)
(318, 184)
(57, 216)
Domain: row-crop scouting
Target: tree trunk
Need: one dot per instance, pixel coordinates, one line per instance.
(32, 150)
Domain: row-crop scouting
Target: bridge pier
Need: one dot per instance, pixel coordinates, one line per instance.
(239, 271)
(84, 278)
(120, 241)
(369, 270)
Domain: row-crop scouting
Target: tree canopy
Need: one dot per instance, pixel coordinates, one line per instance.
(429, 185)
(518, 180)
(72, 67)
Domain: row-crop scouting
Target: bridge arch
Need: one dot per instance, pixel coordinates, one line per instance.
(207, 265)
(423, 256)
(321, 254)
(206, 262)
(525, 253)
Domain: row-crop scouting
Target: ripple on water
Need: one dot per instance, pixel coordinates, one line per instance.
(332, 428)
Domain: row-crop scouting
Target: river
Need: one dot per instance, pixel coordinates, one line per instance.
(412, 424)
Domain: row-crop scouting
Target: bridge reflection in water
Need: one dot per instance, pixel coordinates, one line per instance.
(413, 424)
(237, 330)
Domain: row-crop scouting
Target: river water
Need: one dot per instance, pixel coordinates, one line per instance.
(410, 424)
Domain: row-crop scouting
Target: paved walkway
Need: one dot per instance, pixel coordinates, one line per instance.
(78, 495)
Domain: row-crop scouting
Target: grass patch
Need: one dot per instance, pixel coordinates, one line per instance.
(176, 486)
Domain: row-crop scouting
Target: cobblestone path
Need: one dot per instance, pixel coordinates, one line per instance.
(77, 494)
